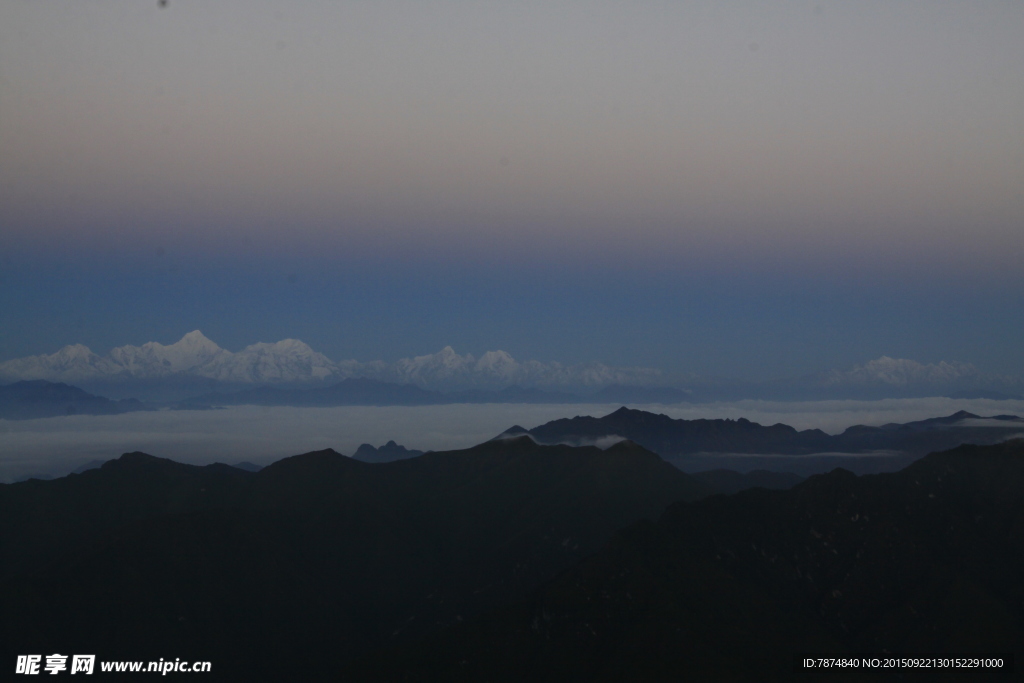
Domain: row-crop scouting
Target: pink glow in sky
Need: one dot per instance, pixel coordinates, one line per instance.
(806, 129)
(740, 187)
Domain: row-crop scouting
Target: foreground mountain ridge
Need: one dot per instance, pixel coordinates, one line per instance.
(502, 562)
(926, 560)
(314, 552)
(699, 444)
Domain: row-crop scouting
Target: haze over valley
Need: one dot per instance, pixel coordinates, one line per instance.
(55, 446)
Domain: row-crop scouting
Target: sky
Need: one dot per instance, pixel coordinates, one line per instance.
(745, 189)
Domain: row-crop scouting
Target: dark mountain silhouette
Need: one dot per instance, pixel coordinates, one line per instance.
(669, 437)
(729, 481)
(688, 443)
(948, 421)
(285, 573)
(91, 465)
(928, 423)
(926, 560)
(389, 452)
(37, 398)
(36, 475)
(512, 432)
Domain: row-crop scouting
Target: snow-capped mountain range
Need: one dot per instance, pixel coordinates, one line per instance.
(447, 370)
(193, 355)
(291, 361)
(900, 372)
(195, 363)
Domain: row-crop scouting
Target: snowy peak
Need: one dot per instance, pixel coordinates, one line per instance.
(196, 342)
(153, 359)
(193, 355)
(902, 372)
(75, 352)
(293, 361)
(497, 363)
(446, 368)
(289, 360)
(449, 370)
(75, 357)
(75, 362)
(446, 358)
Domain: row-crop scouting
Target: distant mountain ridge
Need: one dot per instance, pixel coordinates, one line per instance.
(291, 361)
(389, 452)
(669, 436)
(195, 364)
(901, 372)
(692, 444)
(31, 399)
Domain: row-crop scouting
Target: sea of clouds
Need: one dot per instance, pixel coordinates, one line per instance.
(56, 446)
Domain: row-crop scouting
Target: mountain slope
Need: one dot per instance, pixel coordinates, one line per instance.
(670, 437)
(153, 359)
(38, 398)
(927, 560)
(315, 553)
(389, 452)
(682, 440)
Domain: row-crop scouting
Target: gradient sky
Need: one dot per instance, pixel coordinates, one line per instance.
(745, 188)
